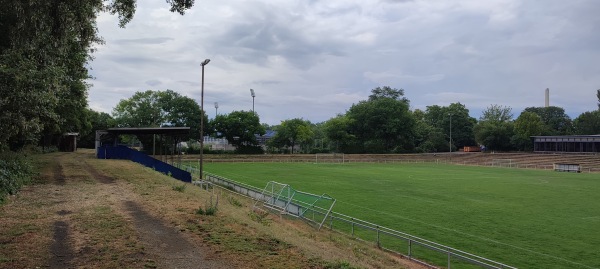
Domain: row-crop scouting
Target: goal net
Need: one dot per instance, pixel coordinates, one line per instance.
(329, 158)
(503, 163)
(284, 199)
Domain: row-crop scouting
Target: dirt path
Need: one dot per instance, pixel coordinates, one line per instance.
(166, 245)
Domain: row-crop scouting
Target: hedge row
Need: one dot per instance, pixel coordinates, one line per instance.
(15, 171)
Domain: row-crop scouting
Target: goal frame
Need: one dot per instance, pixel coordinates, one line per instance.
(334, 158)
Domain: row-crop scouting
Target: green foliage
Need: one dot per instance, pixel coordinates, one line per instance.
(243, 149)
(337, 130)
(238, 127)
(44, 51)
(180, 188)
(527, 124)
(292, 133)
(158, 109)
(495, 128)
(210, 209)
(338, 265)
(598, 96)
(588, 123)
(556, 121)
(98, 121)
(387, 92)
(383, 124)
(234, 202)
(15, 171)
(433, 128)
(260, 216)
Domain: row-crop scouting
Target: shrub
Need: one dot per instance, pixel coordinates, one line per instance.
(15, 171)
(180, 188)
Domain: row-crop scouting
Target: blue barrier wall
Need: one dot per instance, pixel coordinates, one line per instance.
(125, 153)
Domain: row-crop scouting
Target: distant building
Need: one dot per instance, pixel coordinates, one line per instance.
(262, 139)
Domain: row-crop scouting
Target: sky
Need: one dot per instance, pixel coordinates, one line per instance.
(314, 59)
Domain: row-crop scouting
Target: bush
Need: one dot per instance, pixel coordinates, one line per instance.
(249, 150)
(15, 171)
(180, 188)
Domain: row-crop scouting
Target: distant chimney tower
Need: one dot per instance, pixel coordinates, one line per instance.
(547, 97)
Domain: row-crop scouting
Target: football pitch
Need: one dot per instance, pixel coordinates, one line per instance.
(523, 218)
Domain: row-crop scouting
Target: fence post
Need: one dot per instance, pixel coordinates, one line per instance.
(378, 243)
(409, 248)
(352, 219)
(331, 223)
(448, 259)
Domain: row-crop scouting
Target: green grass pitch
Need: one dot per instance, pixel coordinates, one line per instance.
(523, 218)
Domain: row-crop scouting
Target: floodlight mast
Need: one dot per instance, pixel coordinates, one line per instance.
(450, 150)
(205, 62)
(253, 95)
(216, 109)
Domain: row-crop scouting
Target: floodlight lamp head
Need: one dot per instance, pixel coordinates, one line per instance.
(252, 93)
(205, 62)
(216, 105)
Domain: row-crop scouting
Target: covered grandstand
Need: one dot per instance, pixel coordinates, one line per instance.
(569, 143)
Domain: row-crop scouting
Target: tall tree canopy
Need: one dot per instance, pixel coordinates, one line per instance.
(495, 128)
(588, 123)
(239, 128)
(337, 130)
(158, 109)
(528, 124)
(557, 122)
(437, 120)
(598, 95)
(291, 133)
(382, 124)
(44, 49)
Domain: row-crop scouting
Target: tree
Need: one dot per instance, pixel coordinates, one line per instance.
(555, 119)
(387, 92)
(321, 142)
(588, 123)
(528, 124)
(239, 128)
(495, 128)
(44, 51)
(98, 121)
(382, 124)
(438, 118)
(160, 109)
(598, 95)
(293, 132)
(336, 130)
(427, 137)
(497, 113)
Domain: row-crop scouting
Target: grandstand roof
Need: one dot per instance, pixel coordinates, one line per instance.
(150, 130)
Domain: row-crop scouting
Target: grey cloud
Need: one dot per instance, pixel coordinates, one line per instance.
(189, 83)
(144, 41)
(153, 82)
(266, 82)
(255, 40)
